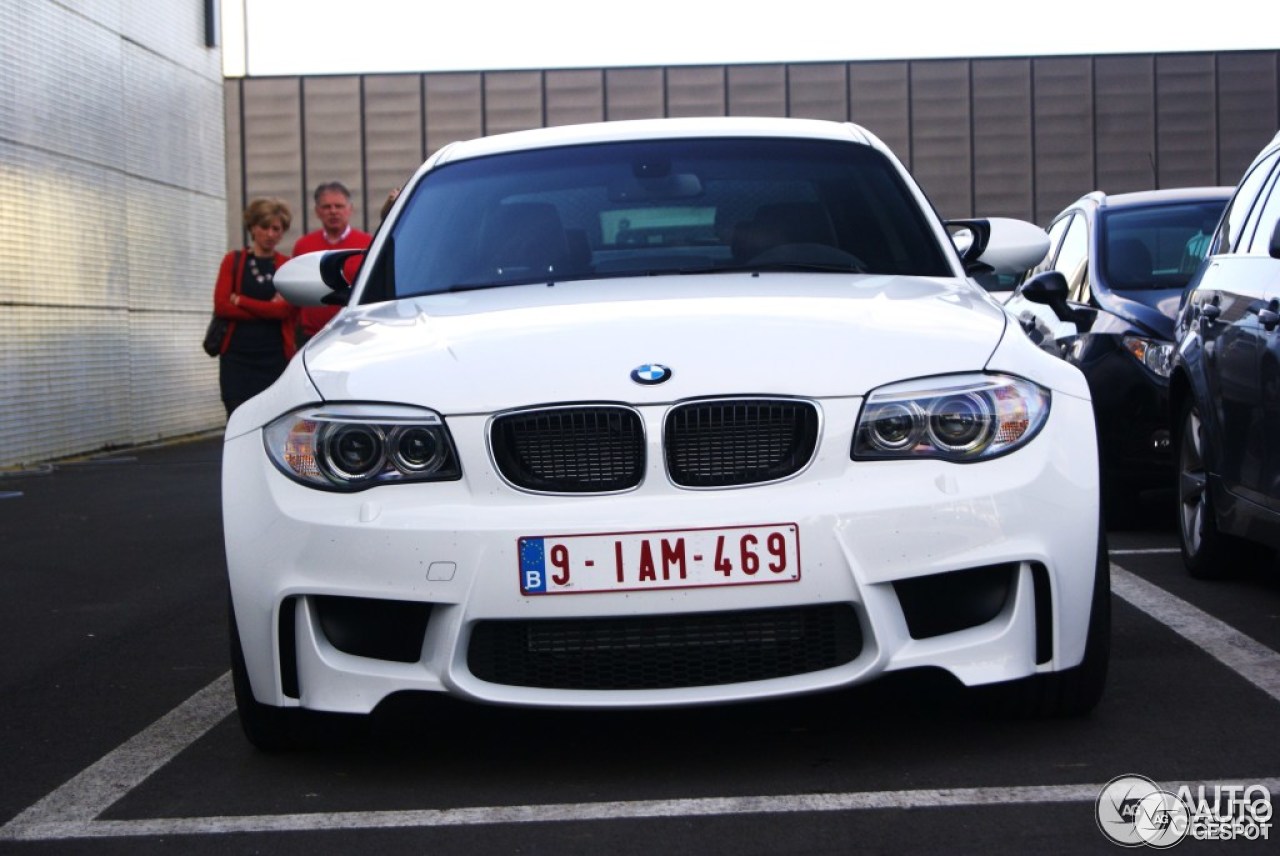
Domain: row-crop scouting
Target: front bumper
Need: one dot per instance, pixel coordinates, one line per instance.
(1132, 410)
(866, 529)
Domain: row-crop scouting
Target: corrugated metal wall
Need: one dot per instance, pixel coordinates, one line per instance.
(112, 195)
(1015, 137)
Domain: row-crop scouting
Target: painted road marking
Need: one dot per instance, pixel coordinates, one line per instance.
(1251, 660)
(71, 810)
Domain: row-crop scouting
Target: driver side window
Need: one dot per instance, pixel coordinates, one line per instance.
(1056, 230)
(1228, 239)
(1264, 224)
(1073, 259)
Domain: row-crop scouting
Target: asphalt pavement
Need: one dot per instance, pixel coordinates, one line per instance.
(118, 733)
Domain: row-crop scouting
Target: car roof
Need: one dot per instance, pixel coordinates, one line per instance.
(1096, 201)
(1166, 195)
(655, 129)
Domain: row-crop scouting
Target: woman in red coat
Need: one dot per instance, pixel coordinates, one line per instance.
(260, 338)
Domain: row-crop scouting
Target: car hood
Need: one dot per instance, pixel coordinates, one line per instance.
(1151, 310)
(814, 335)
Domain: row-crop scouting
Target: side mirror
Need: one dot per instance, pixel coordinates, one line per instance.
(316, 279)
(1050, 289)
(999, 245)
(970, 238)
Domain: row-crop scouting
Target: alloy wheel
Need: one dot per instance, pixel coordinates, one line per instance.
(1192, 484)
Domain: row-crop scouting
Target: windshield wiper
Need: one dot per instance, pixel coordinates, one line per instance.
(749, 267)
(793, 267)
(480, 286)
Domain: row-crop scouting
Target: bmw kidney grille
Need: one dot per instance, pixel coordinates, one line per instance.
(707, 444)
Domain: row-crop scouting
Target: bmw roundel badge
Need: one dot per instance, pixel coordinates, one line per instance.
(650, 374)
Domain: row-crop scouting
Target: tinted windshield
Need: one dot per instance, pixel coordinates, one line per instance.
(666, 206)
(1156, 247)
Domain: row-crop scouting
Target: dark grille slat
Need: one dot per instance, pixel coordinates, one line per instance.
(571, 450)
(664, 652)
(728, 443)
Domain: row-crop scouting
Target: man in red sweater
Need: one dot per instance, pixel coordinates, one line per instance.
(333, 209)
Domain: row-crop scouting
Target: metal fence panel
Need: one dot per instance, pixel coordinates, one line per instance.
(455, 108)
(273, 146)
(1187, 134)
(1002, 154)
(757, 90)
(880, 100)
(575, 96)
(393, 139)
(1124, 107)
(1063, 114)
(819, 91)
(698, 91)
(941, 150)
(332, 146)
(512, 101)
(635, 93)
(1248, 109)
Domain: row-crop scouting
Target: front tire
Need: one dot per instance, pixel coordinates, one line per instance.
(1071, 692)
(282, 729)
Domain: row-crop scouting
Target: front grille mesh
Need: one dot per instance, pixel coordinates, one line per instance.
(593, 449)
(664, 652)
(748, 441)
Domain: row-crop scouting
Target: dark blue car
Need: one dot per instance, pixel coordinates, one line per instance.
(1105, 299)
(1225, 385)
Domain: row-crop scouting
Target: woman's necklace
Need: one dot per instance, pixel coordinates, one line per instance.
(260, 275)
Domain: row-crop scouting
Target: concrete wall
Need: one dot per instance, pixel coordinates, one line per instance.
(113, 200)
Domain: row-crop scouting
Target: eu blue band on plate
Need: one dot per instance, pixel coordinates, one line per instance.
(533, 567)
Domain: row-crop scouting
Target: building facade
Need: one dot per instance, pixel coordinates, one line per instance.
(113, 201)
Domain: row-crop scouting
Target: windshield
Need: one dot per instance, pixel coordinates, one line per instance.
(1157, 247)
(655, 207)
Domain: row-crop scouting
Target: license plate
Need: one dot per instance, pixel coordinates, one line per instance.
(665, 559)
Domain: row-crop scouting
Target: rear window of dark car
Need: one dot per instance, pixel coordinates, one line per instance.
(654, 207)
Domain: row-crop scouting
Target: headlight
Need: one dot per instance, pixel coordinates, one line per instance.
(355, 446)
(1155, 354)
(959, 418)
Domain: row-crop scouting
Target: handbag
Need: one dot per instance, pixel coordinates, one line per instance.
(216, 333)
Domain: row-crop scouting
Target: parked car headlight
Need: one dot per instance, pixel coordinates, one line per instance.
(1155, 354)
(355, 446)
(958, 418)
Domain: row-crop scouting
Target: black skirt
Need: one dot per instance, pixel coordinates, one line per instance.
(252, 361)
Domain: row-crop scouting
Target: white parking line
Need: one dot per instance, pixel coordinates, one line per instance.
(709, 807)
(71, 810)
(1251, 660)
(96, 788)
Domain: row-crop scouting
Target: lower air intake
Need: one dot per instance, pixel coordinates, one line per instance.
(664, 652)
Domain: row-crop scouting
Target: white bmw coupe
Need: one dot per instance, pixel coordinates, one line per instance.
(657, 413)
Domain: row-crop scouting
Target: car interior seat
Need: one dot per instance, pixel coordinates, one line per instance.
(1129, 263)
(782, 223)
(525, 238)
